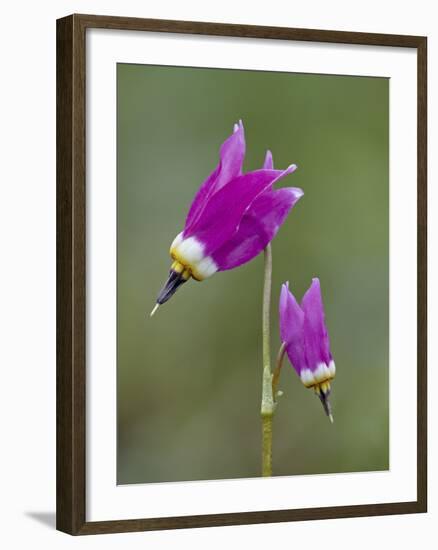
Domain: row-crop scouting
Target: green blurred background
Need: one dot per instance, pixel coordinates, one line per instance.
(189, 379)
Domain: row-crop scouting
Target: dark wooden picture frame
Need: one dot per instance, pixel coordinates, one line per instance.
(71, 274)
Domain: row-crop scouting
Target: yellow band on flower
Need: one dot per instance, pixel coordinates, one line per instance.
(323, 387)
(178, 267)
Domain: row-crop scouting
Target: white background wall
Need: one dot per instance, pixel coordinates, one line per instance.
(27, 273)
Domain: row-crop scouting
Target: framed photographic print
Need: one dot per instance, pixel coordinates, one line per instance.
(241, 274)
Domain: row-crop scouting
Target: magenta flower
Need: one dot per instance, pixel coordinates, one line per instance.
(232, 218)
(304, 333)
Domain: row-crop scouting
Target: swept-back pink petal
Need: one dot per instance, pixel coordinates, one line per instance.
(223, 213)
(232, 153)
(291, 328)
(258, 227)
(315, 331)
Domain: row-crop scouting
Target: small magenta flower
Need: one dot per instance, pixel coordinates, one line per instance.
(233, 217)
(304, 334)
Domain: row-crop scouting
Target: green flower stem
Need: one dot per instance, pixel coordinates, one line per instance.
(267, 445)
(268, 405)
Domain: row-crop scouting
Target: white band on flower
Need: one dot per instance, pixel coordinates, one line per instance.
(190, 253)
(322, 373)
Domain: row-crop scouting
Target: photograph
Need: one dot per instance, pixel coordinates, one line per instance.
(218, 275)
(252, 273)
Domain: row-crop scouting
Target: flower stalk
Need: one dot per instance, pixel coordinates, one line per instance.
(268, 404)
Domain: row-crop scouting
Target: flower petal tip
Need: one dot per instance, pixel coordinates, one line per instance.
(296, 194)
(238, 126)
(315, 286)
(331, 418)
(269, 162)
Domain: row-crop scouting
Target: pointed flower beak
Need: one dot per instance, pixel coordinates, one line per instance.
(303, 330)
(174, 281)
(232, 218)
